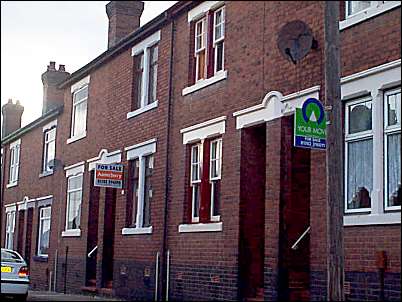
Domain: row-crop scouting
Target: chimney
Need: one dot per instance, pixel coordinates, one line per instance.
(124, 18)
(51, 78)
(11, 117)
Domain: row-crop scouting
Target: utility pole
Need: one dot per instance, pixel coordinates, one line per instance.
(334, 160)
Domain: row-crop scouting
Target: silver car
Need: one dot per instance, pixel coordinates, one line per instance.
(14, 275)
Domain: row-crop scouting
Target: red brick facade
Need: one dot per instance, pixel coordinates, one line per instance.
(270, 191)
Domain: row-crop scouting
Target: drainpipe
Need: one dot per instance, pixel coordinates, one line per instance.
(167, 166)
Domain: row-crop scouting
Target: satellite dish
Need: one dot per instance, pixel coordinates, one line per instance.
(295, 40)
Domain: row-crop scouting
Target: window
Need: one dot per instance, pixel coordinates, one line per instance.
(205, 177)
(392, 147)
(354, 7)
(200, 52)
(79, 115)
(145, 74)
(74, 199)
(140, 188)
(359, 154)
(14, 162)
(219, 35)
(10, 228)
(44, 231)
(49, 149)
(153, 74)
(195, 181)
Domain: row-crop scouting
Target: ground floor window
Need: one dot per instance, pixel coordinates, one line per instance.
(44, 231)
(10, 228)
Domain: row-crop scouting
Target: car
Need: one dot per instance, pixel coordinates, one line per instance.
(14, 275)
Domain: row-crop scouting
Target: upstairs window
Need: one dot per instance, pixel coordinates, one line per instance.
(153, 74)
(49, 149)
(209, 44)
(79, 113)
(354, 7)
(205, 178)
(138, 76)
(44, 231)
(14, 162)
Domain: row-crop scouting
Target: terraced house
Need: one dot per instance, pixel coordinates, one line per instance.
(217, 204)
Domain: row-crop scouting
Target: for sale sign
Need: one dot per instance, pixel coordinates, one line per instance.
(109, 175)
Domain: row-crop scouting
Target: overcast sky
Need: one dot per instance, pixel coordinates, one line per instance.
(36, 32)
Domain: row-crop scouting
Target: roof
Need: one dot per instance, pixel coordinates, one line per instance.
(131, 39)
(36, 123)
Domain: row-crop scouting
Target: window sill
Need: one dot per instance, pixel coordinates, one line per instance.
(200, 227)
(136, 231)
(222, 75)
(40, 258)
(372, 219)
(12, 184)
(368, 14)
(45, 173)
(142, 109)
(76, 138)
(71, 233)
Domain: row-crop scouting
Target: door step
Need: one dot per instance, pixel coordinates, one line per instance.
(89, 289)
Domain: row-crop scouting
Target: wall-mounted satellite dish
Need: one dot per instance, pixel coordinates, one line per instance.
(295, 40)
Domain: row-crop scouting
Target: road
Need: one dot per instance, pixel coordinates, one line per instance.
(52, 296)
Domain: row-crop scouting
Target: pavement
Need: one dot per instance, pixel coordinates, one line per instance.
(52, 296)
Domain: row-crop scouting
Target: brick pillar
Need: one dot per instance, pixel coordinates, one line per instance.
(52, 95)
(124, 18)
(12, 114)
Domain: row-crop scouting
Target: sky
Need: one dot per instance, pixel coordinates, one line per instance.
(33, 33)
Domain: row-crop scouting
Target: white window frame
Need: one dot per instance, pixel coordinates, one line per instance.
(144, 48)
(351, 138)
(375, 82)
(197, 51)
(76, 136)
(218, 159)
(222, 38)
(347, 6)
(47, 142)
(15, 154)
(41, 221)
(10, 229)
(140, 152)
(193, 182)
(389, 130)
(69, 191)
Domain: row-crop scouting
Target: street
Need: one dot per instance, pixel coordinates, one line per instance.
(52, 296)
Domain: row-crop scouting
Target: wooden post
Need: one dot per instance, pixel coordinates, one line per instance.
(334, 160)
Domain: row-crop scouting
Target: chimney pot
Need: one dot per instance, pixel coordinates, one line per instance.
(62, 67)
(51, 66)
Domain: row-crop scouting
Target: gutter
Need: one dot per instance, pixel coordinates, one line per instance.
(21, 131)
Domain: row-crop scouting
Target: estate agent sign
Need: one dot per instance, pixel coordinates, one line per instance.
(310, 125)
(109, 175)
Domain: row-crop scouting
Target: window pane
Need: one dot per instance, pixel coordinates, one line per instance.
(139, 68)
(219, 56)
(357, 6)
(216, 196)
(196, 200)
(75, 182)
(81, 94)
(149, 165)
(80, 118)
(394, 169)
(360, 117)
(360, 174)
(135, 191)
(44, 240)
(201, 65)
(394, 109)
(153, 72)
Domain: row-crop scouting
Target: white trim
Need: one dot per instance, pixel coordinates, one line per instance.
(201, 9)
(81, 83)
(44, 197)
(15, 143)
(11, 207)
(104, 158)
(274, 105)
(136, 231)
(76, 138)
(49, 125)
(142, 109)
(141, 149)
(146, 43)
(204, 130)
(12, 184)
(371, 71)
(219, 76)
(368, 13)
(22, 205)
(201, 227)
(71, 233)
(75, 169)
(372, 219)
